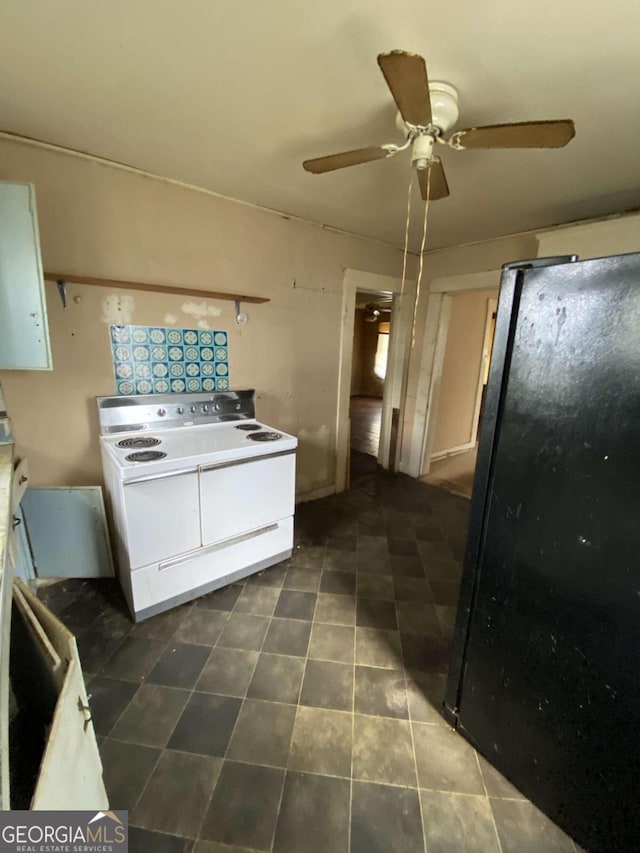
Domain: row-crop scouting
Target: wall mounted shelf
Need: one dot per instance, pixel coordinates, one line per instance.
(62, 280)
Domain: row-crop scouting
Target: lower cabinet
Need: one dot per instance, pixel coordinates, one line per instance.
(62, 767)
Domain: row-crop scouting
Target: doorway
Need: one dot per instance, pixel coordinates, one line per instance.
(373, 287)
(454, 371)
(370, 352)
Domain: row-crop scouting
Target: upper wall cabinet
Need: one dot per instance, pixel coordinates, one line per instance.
(24, 332)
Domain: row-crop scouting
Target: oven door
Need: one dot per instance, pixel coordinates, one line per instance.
(163, 517)
(246, 494)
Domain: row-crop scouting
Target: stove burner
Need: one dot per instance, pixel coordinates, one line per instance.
(143, 441)
(248, 427)
(264, 436)
(145, 456)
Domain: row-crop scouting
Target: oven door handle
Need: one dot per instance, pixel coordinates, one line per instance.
(216, 465)
(166, 476)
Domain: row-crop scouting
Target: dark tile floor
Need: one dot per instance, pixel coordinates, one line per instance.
(299, 711)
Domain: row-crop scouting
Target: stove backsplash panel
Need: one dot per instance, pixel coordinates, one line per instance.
(162, 360)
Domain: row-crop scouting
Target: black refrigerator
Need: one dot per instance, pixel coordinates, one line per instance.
(545, 670)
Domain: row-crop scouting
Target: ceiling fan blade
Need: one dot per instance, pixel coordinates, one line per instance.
(406, 76)
(438, 187)
(525, 134)
(345, 158)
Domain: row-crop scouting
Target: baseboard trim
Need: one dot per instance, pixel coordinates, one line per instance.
(316, 494)
(453, 451)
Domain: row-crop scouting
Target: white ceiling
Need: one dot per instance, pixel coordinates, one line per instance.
(232, 96)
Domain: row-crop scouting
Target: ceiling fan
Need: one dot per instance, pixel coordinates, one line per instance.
(426, 112)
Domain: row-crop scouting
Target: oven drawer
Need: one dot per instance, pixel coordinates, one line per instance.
(163, 585)
(163, 516)
(246, 494)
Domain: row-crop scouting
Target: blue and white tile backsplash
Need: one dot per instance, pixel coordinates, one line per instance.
(159, 360)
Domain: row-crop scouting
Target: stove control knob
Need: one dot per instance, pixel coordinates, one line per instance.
(162, 412)
(217, 407)
(238, 407)
(205, 409)
(180, 410)
(192, 409)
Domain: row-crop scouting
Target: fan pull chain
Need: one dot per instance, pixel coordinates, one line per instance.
(406, 235)
(422, 245)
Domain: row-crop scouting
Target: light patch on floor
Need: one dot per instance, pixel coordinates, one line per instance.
(454, 473)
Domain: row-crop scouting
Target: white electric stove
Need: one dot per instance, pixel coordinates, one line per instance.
(201, 494)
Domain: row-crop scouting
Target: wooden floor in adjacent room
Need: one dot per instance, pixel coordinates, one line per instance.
(366, 415)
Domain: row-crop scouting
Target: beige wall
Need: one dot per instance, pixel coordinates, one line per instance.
(98, 220)
(461, 369)
(365, 343)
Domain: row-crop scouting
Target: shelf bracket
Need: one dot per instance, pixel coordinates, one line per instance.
(62, 290)
(241, 317)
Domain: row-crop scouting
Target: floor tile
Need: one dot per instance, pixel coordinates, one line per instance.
(201, 626)
(377, 564)
(377, 587)
(206, 724)
(413, 590)
(273, 576)
(164, 625)
(151, 715)
(303, 580)
(427, 531)
(339, 561)
(259, 600)
(164, 807)
(378, 648)
(263, 733)
(244, 806)
(403, 547)
(277, 678)
(444, 570)
(180, 665)
(496, 784)
(332, 642)
(108, 697)
(385, 819)
(445, 761)
(372, 545)
(314, 816)
(143, 841)
(426, 654)
(221, 599)
(228, 671)
(338, 583)
(96, 646)
(244, 631)
(407, 567)
(426, 692)
(126, 769)
(455, 823)
(445, 592)
(308, 556)
(296, 605)
(418, 618)
(321, 742)
(336, 609)
(376, 614)
(287, 637)
(383, 751)
(215, 847)
(431, 552)
(447, 618)
(380, 692)
(343, 543)
(523, 828)
(327, 685)
(133, 659)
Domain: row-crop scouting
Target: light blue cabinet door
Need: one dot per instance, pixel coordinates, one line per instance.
(24, 333)
(67, 530)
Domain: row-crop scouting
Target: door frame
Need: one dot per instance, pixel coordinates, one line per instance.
(353, 281)
(430, 373)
